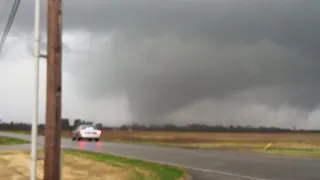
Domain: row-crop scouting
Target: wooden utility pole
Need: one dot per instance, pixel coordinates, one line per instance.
(53, 106)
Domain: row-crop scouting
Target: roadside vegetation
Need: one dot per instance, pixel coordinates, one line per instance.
(293, 142)
(82, 165)
(280, 143)
(11, 141)
(138, 169)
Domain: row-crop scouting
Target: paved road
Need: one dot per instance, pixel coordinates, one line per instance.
(207, 164)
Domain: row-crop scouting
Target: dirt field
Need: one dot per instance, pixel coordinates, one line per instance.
(16, 166)
(82, 165)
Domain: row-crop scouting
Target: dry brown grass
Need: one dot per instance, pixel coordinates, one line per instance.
(213, 140)
(296, 144)
(83, 165)
(16, 166)
(189, 137)
(207, 139)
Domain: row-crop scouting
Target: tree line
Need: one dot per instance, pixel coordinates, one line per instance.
(66, 125)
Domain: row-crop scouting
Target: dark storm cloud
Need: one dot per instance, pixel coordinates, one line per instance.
(291, 23)
(171, 53)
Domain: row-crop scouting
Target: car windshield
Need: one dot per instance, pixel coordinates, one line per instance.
(88, 127)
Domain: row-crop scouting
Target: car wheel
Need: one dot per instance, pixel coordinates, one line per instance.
(90, 139)
(79, 138)
(73, 138)
(97, 140)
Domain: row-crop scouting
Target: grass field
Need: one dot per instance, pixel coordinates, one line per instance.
(81, 165)
(11, 141)
(140, 169)
(300, 144)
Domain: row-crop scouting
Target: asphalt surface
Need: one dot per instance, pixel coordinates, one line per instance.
(206, 164)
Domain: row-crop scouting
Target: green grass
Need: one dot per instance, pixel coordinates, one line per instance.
(11, 141)
(159, 171)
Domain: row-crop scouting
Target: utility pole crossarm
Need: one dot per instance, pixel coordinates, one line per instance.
(43, 56)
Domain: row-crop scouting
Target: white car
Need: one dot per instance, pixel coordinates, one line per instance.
(89, 132)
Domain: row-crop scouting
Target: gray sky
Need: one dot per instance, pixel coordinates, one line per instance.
(217, 61)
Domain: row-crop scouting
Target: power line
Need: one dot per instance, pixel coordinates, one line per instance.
(9, 23)
(12, 15)
(2, 12)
